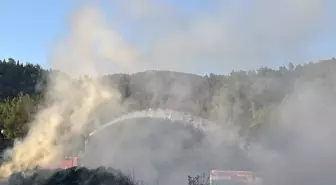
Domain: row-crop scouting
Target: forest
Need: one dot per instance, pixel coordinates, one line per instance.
(246, 98)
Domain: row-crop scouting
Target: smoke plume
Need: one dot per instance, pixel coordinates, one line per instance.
(220, 36)
(71, 99)
(181, 43)
(306, 155)
(216, 36)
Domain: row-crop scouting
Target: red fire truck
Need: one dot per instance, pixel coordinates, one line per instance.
(68, 163)
(220, 177)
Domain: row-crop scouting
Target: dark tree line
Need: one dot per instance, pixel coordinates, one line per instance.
(242, 97)
(21, 86)
(16, 77)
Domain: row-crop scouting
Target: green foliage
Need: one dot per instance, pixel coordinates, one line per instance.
(20, 86)
(15, 114)
(16, 77)
(247, 98)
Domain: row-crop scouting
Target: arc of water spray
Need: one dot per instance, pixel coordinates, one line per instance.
(215, 132)
(166, 114)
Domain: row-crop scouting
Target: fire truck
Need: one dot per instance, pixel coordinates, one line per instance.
(220, 177)
(73, 160)
(69, 162)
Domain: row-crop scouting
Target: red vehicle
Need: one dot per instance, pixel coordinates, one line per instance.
(72, 161)
(220, 177)
(68, 163)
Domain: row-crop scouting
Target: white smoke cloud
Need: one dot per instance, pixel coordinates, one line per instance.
(306, 156)
(145, 34)
(233, 35)
(91, 39)
(71, 101)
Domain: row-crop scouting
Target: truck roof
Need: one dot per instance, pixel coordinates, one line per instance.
(242, 176)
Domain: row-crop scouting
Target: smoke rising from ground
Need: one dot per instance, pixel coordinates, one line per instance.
(93, 48)
(160, 151)
(55, 127)
(70, 100)
(303, 143)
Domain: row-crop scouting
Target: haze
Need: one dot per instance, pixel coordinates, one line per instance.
(141, 35)
(190, 36)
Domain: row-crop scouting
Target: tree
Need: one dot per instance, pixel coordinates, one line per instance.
(15, 115)
(291, 67)
(244, 98)
(124, 86)
(16, 77)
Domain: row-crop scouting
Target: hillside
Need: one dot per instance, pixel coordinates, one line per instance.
(242, 97)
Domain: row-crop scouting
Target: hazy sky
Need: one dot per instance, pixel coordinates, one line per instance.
(191, 35)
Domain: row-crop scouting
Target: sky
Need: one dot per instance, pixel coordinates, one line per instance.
(192, 35)
(29, 28)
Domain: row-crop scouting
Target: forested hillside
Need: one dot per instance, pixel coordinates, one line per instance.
(241, 97)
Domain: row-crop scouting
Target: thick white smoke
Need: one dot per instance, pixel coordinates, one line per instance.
(71, 101)
(220, 36)
(92, 47)
(180, 43)
(302, 142)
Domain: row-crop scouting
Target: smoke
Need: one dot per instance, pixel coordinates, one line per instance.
(71, 100)
(92, 47)
(271, 29)
(300, 139)
(214, 36)
(307, 116)
(221, 35)
(163, 151)
(177, 42)
(55, 127)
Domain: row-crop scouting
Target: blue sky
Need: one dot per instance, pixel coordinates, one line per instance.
(29, 28)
